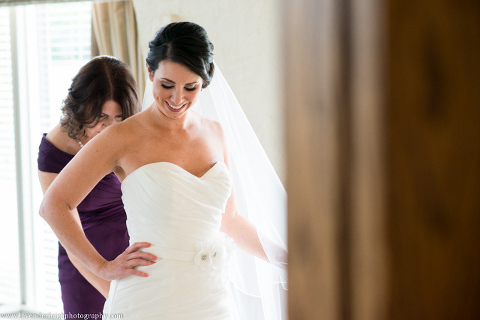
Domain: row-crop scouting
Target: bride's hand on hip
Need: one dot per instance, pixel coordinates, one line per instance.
(124, 264)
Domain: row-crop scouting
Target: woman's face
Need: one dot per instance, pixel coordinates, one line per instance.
(175, 88)
(111, 113)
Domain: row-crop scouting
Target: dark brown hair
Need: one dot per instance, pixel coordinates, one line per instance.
(186, 43)
(102, 79)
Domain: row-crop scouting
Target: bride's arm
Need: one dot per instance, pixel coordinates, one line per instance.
(244, 232)
(245, 235)
(98, 158)
(102, 285)
(241, 230)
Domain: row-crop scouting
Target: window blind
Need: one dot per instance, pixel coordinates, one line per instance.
(63, 46)
(52, 42)
(25, 2)
(9, 259)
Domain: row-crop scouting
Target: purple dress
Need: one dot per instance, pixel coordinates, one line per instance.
(104, 222)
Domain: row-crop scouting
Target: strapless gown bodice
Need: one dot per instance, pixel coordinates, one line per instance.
(180, 215)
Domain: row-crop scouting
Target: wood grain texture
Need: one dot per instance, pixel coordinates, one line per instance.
(433, 139)
(369, 265)
(312, 83)
(383, 159)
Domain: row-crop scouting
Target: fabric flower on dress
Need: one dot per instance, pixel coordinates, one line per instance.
(213, 252)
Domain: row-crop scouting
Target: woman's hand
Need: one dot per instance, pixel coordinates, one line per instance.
(125, 263)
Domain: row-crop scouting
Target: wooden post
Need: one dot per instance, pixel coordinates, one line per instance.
(313, 84)
(433, 143)
(383, 158)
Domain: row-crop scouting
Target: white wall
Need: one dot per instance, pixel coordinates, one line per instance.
(246, 36)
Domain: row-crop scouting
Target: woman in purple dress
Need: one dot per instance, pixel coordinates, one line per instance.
(102, 93)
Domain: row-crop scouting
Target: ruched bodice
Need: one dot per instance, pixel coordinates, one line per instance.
(172, 208)
(180, 214)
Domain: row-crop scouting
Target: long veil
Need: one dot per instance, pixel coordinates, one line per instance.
(257, 286)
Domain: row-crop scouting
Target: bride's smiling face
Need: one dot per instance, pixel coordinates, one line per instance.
(175, 88)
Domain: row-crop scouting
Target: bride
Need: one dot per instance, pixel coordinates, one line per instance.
(186, 183)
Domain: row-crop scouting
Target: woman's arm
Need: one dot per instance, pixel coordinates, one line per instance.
(102, 285)
(242, 230)
(245, 235)
(98, 158)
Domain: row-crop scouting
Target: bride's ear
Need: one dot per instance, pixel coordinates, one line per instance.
(150, 73)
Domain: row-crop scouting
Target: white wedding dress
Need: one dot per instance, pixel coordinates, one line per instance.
(180, 214)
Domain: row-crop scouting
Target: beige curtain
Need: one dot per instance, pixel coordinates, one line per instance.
(114, 33)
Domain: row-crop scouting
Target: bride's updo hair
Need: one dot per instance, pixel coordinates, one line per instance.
(185, 43)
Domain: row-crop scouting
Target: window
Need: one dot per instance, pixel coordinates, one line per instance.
(9, 260)
(41, 48)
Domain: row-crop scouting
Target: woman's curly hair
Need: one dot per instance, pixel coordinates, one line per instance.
(102, 79)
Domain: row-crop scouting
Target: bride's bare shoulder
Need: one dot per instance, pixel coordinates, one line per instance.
(126, 131)
(212, 126)
(214, 132)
